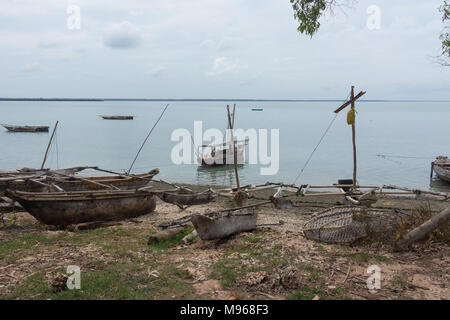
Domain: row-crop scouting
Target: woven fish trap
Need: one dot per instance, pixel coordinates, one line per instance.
(348, 224)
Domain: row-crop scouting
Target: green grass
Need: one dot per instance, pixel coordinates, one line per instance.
(306, 293)
(164, 245)
(364, 257)
(116, 281)
(226, 270)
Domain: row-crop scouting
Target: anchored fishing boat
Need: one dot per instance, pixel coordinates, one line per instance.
(66, 208)
(26, 128)
(441, 166)
(118, 117)
(222, 154)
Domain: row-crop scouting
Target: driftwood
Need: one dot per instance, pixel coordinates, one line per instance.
(423, 230)
(91, 225)
(164, 235)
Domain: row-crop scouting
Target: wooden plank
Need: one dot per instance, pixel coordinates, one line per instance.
(359, 95)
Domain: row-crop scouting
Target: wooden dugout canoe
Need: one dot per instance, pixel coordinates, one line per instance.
(26, 128)
(123, 182)
(26, 183)
(225, 224)
(66, 208)
(117, 117)
(187, 199)
(441, 167)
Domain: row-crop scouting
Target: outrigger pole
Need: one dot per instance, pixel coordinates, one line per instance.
(132, 164)
(49, 144)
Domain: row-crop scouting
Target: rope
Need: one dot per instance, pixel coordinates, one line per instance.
(318, 144)
(403, 157)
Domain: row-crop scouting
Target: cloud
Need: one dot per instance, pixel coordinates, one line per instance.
(155, 71)
(122, 36)
(222, 65)
(32, 67)
(49, 43)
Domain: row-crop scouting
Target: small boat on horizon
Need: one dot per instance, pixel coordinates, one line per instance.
(117, 117)
(26, 128)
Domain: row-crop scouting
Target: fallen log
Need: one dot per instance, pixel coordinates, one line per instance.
(164, 235)
(92, 225)
(426, 228)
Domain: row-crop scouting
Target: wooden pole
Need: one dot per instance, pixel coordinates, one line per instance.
(423, 230)
(354, 140)
(49, 144)
(234, 148)
(232, 120)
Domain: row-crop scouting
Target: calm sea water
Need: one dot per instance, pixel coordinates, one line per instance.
(396, 141)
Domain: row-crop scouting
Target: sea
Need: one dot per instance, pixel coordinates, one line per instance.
(304, 142)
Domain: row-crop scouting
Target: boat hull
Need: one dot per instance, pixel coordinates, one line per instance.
(441, 167)
(22, 183)
(118, 117)
(187, 199)
(64, 210)
(442, 172)
(26, 128)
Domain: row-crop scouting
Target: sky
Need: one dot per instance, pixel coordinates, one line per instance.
(234, 49)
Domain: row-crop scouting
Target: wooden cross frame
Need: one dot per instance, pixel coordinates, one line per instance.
(351, 102)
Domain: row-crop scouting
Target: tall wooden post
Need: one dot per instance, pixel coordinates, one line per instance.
(352, 97)
(49, 144)
(230, 125)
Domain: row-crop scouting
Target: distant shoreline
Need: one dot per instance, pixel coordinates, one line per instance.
(203, 100)
(49, 99)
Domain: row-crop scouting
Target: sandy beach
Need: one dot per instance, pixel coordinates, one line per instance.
(273, 262)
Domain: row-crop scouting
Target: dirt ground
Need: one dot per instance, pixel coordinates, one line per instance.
(273, 262)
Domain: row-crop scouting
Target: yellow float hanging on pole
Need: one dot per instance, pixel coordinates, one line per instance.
(351, 116)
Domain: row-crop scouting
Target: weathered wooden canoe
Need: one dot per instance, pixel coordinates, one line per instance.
(123, 182)
(224, 224)
(118, 117)
(36, 183)
(66, 208)
(26, 128)
(187, 199)
(39, 172)
(441, 166)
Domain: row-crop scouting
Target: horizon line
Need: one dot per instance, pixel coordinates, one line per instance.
(215, 100)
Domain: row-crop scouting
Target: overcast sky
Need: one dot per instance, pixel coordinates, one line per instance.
(218, 49)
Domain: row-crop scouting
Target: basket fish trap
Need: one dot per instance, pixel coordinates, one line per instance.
(347, 224)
